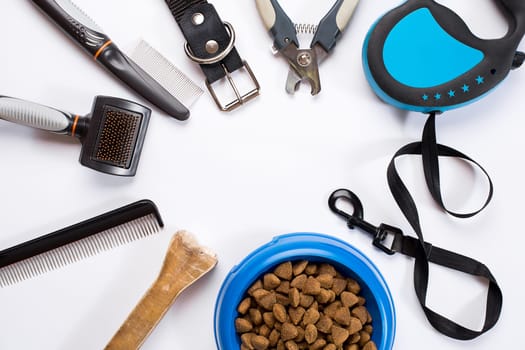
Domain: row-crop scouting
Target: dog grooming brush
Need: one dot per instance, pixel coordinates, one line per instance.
(85, 239)
(90, 36)
(112, 135)
(421, 56)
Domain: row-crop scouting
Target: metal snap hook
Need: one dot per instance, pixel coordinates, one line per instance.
(350, 197)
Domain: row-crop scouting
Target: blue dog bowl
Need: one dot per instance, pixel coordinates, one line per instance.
(314, 247)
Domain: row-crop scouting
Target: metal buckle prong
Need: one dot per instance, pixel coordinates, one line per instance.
(241, 99)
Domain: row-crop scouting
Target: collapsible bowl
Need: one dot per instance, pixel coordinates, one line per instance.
(314, 247)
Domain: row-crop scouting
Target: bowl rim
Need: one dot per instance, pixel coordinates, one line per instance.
(296, 246)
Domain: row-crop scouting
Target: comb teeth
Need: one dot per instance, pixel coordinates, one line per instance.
(118, 133)
(166, 74)
(78, 250)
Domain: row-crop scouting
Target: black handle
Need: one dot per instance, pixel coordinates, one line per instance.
(75, 24)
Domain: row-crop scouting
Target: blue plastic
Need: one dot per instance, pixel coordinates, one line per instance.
(426, 57)
(392, 101)
(313, 247)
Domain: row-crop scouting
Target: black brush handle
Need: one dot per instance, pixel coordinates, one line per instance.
(79, 231)
(82, 29)
(41, 117)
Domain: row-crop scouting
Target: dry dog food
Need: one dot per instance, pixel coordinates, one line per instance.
(304, 306)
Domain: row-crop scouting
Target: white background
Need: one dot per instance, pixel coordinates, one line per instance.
(236, 180)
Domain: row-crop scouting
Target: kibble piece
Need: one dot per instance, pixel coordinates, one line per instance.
(280, 345)
(284, 271)
(351, 347)
(244, 347)
(282, 299)
(311, 269)
(331, 309)
(311, 316)
(306, 300)
(243, 325)
(352, 286)
(271, 281)
(291, 345)
(264, 330)
(339, 335)
(361, 313)
(324, 324)
(354, 326)
(312, 286)
(246, 339)
(298, 268)
(326, 280)
(368, 328)
(370, 346)
(365, 338)
(349, 299)
(324, 296)
(296, 314)
(274, 337)
(362, 301)
(310, 333)
(269, 319)
(264, 299)
(288, 331)
(339, 285)
(299, 281)
(256, 317)
(318, 344)
(284, 287)
(279, 312)
(257, 285)
(327, 269)
(368, 318)
(244, 306)
(354, 338)
(295, 297)
(342, 316)
(260, 343)
(330, 347)
(300, 335)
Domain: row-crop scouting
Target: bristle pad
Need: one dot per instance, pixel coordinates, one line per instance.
(118, 134)
(78, 250)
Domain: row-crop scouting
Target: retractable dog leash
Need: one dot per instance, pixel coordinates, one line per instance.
(422, 57)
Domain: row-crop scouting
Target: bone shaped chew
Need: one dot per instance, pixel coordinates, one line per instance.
(185, 262)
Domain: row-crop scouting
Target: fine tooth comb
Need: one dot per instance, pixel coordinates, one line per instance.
(112, 135)
(166, 73)
(185, 262)
(82, 29)
(85, 239)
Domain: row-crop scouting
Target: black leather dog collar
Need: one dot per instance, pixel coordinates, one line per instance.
(211, 44)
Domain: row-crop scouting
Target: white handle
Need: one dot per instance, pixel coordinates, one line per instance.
(33, 115)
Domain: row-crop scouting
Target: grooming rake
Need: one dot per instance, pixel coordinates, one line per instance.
(85, 239)
(112, 135)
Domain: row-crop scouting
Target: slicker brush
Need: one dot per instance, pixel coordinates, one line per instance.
(112, 135)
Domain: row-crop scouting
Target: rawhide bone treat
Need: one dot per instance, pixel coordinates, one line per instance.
(304, 305)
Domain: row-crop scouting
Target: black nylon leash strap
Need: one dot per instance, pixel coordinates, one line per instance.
(200, 23)
(424, 252)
